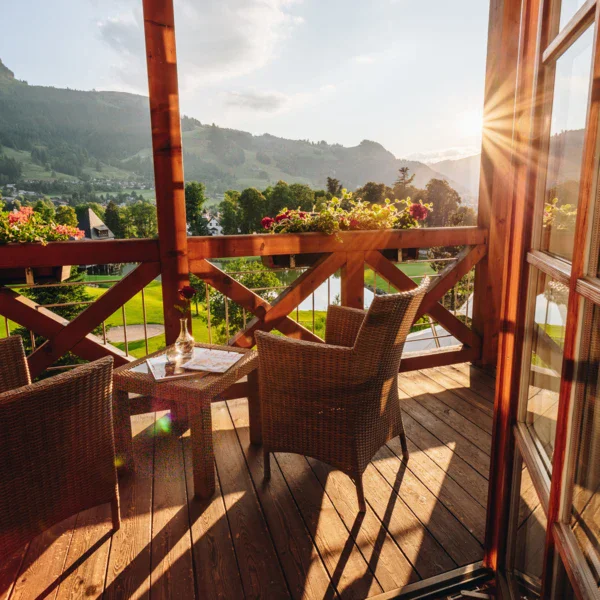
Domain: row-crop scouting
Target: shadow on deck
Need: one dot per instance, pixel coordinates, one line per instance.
(296, 536)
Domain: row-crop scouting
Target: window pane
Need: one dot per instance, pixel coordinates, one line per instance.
(530, 538)
(567, 9)
(586, 493)
(547, 333)
(571, 90)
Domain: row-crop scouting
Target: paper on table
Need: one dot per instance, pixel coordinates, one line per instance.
(213, 361)
(204, 359)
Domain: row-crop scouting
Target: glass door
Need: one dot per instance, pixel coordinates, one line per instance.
(549, 378)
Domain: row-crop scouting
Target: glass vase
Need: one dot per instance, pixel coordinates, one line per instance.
(183, 348)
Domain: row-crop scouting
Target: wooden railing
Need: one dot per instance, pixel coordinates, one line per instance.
(348, 253)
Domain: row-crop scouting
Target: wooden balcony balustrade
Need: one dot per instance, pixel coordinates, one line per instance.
(348, 253)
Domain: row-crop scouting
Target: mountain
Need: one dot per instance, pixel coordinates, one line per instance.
(64, 132)
(465, 171)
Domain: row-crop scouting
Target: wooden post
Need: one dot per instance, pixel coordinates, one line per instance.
(353, 280)
(159, 29)
(496, 168)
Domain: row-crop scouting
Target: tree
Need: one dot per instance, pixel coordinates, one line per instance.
(46, 209)
(194, 205)
(462, 216)
(402, 183)
(112, 219)
(334, 187)
(230, 213)
(372, 192)
(278, 197)
(253, 207)
(254, 275)
(81, 209)
(143, 216)
(445, 200)
(302, 196)
(66, 215)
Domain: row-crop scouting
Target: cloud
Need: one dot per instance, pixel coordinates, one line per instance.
(216, 39)
(435, 156)
(364, 59)
(273, 101)
(257, 101)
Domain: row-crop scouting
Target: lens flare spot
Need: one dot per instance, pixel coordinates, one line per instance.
(164, 425)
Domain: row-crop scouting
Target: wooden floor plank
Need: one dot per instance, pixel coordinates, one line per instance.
(463, 506)
(462, 547)
(348, 570)
(172, 573)
(215, 563)
(454, 402)
(9, 571)
(44, 563)
(91, 541)
(472, 378)
(128, 572)
(452, 464)
(304, 570)
(459, 444)
(466, 393)
(259, 566)
(451, 417)
(391, 568)
(420, 548)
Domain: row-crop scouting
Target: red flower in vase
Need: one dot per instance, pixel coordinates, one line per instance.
(187, 292)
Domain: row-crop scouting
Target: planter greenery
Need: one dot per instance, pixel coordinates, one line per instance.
(346, 214)
(27, 226)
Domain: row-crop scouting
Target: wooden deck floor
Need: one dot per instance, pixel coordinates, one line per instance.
(297, 536)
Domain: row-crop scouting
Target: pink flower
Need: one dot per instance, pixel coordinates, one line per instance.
(267, 222)
(418, 211)
(20, 216)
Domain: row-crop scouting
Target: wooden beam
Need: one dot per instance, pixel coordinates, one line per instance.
(159, 30)
(47, 324)
(223, 246)
(90, 252)
(518, 192)
(291, 297)
(390, 272)
(496, 168)
(246, 298)
(353, 280)
(451, 355)
(68, 337)
(450, 276)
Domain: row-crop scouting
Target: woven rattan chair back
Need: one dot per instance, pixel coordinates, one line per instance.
(382, 335)
(14, 371)
(57, 454)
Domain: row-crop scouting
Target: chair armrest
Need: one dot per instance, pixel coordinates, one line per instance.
(343, 324)
(14, 372)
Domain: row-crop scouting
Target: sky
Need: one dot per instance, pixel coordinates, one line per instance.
(408, 74)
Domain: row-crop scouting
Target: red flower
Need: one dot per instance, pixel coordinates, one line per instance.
(354, 223)
(302, 214)
(187, 292)
(20, 216)
(418, 211)
(283, 216)
(267, 222)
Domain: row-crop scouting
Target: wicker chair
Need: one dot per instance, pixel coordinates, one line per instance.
(338, 402)
(57, 454)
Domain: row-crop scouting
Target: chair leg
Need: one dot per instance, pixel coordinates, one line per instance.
(267, 464)
(115, 513)
(360, 492)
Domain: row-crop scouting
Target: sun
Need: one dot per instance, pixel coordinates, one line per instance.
(470, 122)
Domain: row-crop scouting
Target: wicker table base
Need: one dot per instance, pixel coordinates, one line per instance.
(191, 398)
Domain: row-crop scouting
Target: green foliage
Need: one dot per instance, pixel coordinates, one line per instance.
(195, 199)
(143, 218)
(46, 210)
(230, 213)
(26, 225)
(112, 219)
(334, 186)
(10, 169)
(254, 275)
(403, 183)
(374, 193)
(445, 199)
(81, 209)
(66, 215)
(253, 206)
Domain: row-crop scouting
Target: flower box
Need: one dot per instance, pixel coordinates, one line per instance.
(290, 261)
(34, 275)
